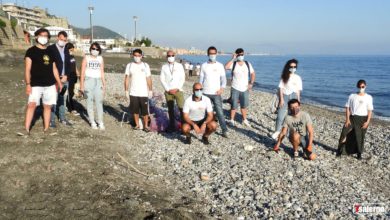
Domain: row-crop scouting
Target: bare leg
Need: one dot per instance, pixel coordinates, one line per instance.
(29, 115)
(186, 128)
(211, 127)
(136, 120)
(46, 116)
(244, 113)
(295, 140)
(146, 119)
(232, 114)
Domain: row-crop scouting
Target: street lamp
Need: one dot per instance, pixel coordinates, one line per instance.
(135, 18)
(91, 8)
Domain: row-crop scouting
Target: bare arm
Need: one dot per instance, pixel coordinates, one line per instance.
(347, 114)
(365, 125)
(82, 77)
(209, 118)
(311, 134)
(27, 75)
(149, 81)
(299, 95)
(127, 82)
(229, 63)
(187, 119)
(281, 136)
(57, 76)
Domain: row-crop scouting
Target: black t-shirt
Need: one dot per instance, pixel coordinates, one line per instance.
(41, 67)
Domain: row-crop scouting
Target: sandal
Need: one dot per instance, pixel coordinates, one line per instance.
(146, 129)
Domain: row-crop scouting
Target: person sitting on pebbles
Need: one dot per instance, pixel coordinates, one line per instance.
(301, 131)
(198, 115)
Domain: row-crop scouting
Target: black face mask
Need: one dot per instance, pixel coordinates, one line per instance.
(294, 111)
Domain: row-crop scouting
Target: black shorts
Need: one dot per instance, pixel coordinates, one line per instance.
(199, 123)
(139, 105)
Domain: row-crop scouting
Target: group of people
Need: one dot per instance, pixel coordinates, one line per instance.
(191, 69)
(51, 70)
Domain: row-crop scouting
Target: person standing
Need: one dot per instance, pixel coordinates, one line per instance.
(358, 113)
(139, 74)
(190, 69)
(172, 78)
(73, 77)
(300, 127)
(243, 77)
(62, 60)
(198, 115)
(290, 87)
(41, 75)
(197, 69)
(213, 80)
(92, 84)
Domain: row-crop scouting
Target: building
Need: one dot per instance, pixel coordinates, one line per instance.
(55, 30)
(32, 18)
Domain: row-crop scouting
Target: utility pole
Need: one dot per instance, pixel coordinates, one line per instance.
(91, 8)
(135, 18)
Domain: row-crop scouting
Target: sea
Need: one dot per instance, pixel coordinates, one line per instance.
(327, 80)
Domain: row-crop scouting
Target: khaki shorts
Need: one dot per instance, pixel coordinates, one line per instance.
(47, 93)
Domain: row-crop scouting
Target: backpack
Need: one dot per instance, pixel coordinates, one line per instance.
(247, 64)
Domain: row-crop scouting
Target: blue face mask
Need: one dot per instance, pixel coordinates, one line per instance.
(240, 58)
(198, 93)
(213, 58)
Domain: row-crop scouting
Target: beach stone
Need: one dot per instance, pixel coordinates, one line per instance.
(204, 176)
(248, 147)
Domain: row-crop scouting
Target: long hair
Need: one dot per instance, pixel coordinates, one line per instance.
(286, 70)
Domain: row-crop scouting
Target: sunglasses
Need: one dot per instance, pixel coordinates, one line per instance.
(362, 87)
(198, 89)
(94, 48)
(170, 55)
(293, 66)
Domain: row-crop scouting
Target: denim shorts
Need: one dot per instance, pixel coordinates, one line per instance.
(243, 97)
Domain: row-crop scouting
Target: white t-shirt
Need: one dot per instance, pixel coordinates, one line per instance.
(138, 73)
(212, 77)
(241, 76)
(172, 76)
(197, 110)
(92, 69)
(360, 105)
(294, 84)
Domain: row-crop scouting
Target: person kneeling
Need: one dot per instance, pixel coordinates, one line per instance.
(198, 115)
(301, 130)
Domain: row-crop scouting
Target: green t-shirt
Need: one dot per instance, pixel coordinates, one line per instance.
(298, 123)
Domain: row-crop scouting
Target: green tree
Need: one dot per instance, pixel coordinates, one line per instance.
(2, 24)
(146, 41)
(14, 22)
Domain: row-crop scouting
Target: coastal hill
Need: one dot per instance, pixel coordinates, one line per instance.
(98, 32)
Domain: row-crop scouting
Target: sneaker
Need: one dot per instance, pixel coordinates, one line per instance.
(94, 126)
(205, 140)
(296, 154)
(246, 123)
(188, 140)
(275, 135)
(224, 134)
(232, 122)
(101, 127)
(66, 122)
(75, 113)
(52, 124)
(359, 156)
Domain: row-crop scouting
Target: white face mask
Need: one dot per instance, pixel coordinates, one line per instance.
(362, 90)
(137, 59)
(293, 70)
(240, 58)
(95, 53)
(213, 58)
(42, 40)
(171, 59)
(61, 43)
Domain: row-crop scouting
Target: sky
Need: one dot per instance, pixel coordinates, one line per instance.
(339, 27)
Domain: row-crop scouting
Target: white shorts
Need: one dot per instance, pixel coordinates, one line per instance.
(47, 93)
